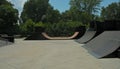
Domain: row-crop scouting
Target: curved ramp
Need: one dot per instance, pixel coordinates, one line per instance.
(87, 36)
(60, 38)
(104, 44)
(94, 30)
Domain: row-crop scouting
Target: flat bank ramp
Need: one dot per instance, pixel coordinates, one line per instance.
(87, 36)
(104, 44)
(4, 42)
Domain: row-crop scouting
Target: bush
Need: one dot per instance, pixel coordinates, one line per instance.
(27, 27)
(54, 29)
(62, 28)
(39, 24)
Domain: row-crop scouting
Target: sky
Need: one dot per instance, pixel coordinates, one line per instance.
(61, 5)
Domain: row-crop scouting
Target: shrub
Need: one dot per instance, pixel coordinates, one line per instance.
(27, 27)
(62, 28)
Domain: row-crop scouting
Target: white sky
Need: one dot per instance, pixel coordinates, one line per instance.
(18, 4)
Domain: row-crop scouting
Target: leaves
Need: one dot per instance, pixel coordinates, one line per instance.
(112, 11)
(62, 28)
(8, 17)
(89, 6)
(34, 9)
(27, 27)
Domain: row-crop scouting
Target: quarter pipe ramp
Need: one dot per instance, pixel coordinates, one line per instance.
(87, 36)
(104, 44)
(94, 30)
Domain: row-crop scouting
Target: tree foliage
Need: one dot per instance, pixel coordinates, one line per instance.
(27, 27)
(59, 24)
(5, 2)
(71, 15)
(34, 9)
(89, 6)
(112, 11)
(52, 16)
(62, 28)
(84, 10)
(8, 17)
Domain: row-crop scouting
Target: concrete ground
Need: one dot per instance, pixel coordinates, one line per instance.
(51, 54)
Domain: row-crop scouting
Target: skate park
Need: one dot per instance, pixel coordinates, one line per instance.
(64, 53)
(96, 37)
(45, 34)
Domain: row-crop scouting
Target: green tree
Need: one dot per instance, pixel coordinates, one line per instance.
(75, 15)
(66, 16)
(89, 6)
(27, 27)
(62, 28)
(112, 11)
(52, 16)
(72, 14)
(87, 9)
(5, 2)
(34, 9)
(8, 17)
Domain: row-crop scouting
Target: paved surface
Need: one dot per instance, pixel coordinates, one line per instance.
(51, 54)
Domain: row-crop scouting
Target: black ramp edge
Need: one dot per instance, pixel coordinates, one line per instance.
(104, 44)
